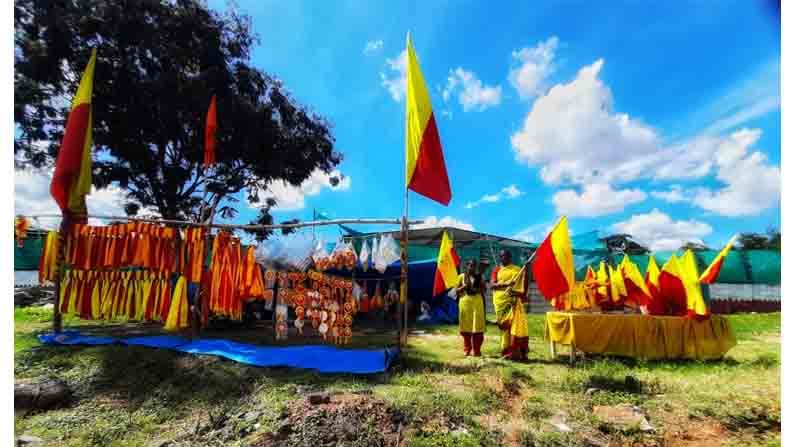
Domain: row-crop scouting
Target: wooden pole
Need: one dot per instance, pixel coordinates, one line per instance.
(318, 223)
(57, 324)
(404, 273)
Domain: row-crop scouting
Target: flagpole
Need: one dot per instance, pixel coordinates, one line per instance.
(404, 272)
(59, 267)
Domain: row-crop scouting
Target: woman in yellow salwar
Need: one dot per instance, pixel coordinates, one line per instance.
(471, 314)
(509, 298)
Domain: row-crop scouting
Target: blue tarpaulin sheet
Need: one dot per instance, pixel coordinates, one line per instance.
(325, 359)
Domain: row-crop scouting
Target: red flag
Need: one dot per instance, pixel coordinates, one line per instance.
(209, 135)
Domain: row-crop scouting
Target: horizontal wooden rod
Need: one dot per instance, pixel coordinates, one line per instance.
(242, 227)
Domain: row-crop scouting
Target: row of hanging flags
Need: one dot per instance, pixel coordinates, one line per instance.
(673, 290)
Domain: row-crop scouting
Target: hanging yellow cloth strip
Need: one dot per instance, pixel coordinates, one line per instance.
(178, 313)
(47, 264)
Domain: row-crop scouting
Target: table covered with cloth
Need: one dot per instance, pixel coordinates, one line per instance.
(641, 336)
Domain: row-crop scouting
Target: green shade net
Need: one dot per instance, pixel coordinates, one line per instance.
(27, 257)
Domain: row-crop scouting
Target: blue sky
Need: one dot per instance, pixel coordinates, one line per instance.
(670, 103)
(658, 119)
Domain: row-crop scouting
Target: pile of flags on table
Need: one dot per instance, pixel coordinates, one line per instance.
(673, 290)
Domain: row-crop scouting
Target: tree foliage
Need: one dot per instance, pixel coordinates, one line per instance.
(760, 241)
(158, 64)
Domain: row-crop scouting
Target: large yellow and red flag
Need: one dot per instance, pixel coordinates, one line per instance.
(209, 134)
(71, 181)
(710, 275)
(426, 173)
(652, 279)
(672, 292)
(637, 292)
(446, 266)
(696, 307)
(553, 268)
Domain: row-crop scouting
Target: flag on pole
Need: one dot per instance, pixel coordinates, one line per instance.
(426, 173)
(603, 284)
(71, 181)
(209, 134)
(673, 294)
(652, 277)
(637, 291)
(618, 290)
(446, 266)
(712, 272)
(553, 268)
(696, 307)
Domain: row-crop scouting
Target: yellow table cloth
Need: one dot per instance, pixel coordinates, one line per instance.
(641, 336)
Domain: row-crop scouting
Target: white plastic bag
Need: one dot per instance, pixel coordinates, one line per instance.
(364, 256)
(376, 255)
(388, 251)
(298, 248)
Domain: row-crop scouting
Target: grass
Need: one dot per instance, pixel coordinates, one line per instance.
(128, 396)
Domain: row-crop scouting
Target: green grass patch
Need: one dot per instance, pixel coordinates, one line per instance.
(127, 395)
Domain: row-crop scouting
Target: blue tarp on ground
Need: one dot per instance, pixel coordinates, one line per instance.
(325, 359)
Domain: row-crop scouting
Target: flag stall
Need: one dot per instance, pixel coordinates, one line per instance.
(670, 318)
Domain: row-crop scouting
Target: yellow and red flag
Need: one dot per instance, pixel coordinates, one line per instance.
(672, 292)
(553, 268)
(618, 290)
(209, 135)
(652, 277)
(71, 181)
(446, 266)
(710, 275)
(603, 284)
(637, 292)
(696, 307)
(426, 173)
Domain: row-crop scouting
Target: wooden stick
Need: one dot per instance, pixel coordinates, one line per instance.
(57, 325)
(246, 227)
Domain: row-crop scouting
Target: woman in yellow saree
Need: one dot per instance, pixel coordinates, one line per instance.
(471, 315)
(509, 299)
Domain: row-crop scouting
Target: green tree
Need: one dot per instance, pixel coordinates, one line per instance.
(158, 64)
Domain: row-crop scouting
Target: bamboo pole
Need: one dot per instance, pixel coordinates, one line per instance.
(245, 227)
(404, 274)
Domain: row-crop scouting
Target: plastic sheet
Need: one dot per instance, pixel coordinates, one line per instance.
(324, 359)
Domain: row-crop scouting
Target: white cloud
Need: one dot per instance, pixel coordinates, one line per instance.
(673, 195)
(511, 191)
(573, 135)
(532, 66)
(447, 114)
(447, 221)
(373, 46)
(750, 97)
(291, 198)
(534, 233)
(472, 93)
(597, 199)
(752, 184)
(659, 232)
(508, 192)
(32, 197)
(395, 80)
